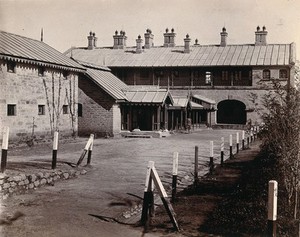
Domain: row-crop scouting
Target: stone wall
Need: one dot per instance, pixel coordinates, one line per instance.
(100, 113)
(25, 89)
(24, 182)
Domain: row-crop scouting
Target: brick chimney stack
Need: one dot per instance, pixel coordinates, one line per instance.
(92, 40)
(261, 36)
(139, 42)
(224, 35)
(119, 40)
(169, 38)
(187, 42)
(148, 39)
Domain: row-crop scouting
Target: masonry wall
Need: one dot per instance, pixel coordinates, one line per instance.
(25, 89)
(100, 113)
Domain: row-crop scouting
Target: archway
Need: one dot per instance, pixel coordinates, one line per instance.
(231, 112)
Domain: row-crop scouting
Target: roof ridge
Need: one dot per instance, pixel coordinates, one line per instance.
(2, 31)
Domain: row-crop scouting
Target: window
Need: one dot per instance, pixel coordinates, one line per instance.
(41, 71)
(208, 78)
(283, 74)
(11, 110)
(266, 74)
(41, 109)
(65, 109)
(11, 66)
(79, 111)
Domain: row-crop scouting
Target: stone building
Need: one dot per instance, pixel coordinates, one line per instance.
(231, 79)
(38, 89)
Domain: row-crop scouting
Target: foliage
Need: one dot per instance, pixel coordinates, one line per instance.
(281, 136)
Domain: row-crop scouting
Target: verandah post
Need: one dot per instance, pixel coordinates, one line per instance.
(222, 151)
(211, 157)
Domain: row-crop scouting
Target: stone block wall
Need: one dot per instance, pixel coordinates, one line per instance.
(23, 182)
(100, 113)
(27, 90)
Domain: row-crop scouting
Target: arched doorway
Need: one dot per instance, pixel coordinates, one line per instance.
(231, 112)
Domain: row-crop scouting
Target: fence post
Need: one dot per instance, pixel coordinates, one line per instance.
(272, 207)
(243, 140)
(222, 151)
(237, 142)
(211, 157)
(251, 136)
(4, 149)
(54, 152)
(86, 148)
(148, 195)
(174, 180)
(230, 147)
(90, 151)
(196, 165)
(248, 141)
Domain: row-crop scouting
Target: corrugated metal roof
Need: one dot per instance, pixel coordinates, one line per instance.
(26, 50)
(147, 96)
(108, 82)
(204, 99)
(209, 55)
(180, 101)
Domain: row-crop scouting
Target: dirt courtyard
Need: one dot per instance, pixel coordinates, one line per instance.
(111, 187)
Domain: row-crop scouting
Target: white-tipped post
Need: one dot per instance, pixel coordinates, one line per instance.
(272, 207)
(54, 152)
(4, 149)
(211, 157)
(230, 147)
(222, 151)
(174, 178)
(237, 142)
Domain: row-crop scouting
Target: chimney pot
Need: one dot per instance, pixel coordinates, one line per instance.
(167, 30)
(169, 38)
(261, 36)
(196, 42)
(224, 35)
(264, 28)
(172, 30)
(116, 32)
(258, 28)
(187, 42)
(92, 40)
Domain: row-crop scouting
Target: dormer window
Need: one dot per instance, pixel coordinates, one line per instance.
(11, 66)
(283, 74)
(266, 74)
(41, 71)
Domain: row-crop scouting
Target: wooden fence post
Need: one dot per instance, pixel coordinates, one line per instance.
(222, 151)
(243, 140)
(230, 147)
(174, 179)
(148, 195)
(90, 152)
(196, 165)
(4, 149)
(54, 152)
(86, 148)
(272, 207)
(237, 142)
(211, 157)
(164, 198)
(251, 136)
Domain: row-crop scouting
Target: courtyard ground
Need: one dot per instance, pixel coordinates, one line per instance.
(111, 190)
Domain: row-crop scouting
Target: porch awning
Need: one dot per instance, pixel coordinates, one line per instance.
(179, 102)
(194, 105)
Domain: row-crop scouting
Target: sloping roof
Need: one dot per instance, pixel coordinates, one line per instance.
(204, 99)
(108, 82)
(200, 56)
(195, 105)
(147, 96)
(25, 50)
(180, 101)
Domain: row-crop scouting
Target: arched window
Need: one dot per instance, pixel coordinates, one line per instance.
(283, 74)
(266, 74)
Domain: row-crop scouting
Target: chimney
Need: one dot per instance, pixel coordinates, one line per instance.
(90, 41)
(139, 42)
(95, 40)
(224, 35)
(187, 42)
(261, 36)
(169, 38)
(148, 39)
(119, 40)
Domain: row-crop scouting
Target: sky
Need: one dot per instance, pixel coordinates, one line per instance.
(67, 23)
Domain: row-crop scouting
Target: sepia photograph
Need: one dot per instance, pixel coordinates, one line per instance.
(145, 118)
